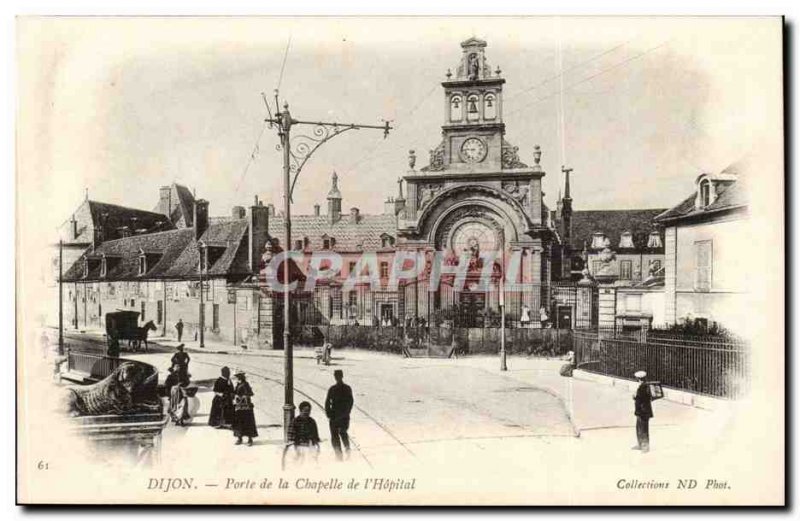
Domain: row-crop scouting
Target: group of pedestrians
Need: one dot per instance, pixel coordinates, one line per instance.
(232, 406)
(303, 431)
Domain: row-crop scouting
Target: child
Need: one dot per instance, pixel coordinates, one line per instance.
(303, 432)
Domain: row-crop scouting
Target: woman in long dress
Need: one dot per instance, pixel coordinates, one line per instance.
(244, 421)
(221, 415)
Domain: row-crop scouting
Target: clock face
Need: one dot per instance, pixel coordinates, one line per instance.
(473, 150)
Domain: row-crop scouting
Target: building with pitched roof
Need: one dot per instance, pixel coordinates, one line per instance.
(704, 274)
(156, 271)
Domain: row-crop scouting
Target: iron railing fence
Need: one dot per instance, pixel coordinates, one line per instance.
(717, 369)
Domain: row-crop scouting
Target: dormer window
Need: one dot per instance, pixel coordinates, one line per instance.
(654, 240)
(600, 241)
(705, 193)
(456, 108)
(626, 240)
(387, 241)
(142, 264)
(326, 243)
(298, 244)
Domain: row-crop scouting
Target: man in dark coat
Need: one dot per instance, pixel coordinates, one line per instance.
(643, 411)
(179, 328)
(338, 404)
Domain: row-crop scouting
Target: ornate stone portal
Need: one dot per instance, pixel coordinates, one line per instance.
(476, 195)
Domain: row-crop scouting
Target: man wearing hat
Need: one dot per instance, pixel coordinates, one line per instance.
(338, 404)
(643, 411)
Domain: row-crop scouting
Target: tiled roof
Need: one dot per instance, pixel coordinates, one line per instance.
(348, 236)
(173, 253)
(112, 217)
(613, 223)
(730, 196)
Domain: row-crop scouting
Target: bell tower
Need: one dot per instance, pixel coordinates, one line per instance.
(473, 128)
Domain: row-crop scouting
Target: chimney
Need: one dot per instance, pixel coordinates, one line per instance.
(258, 233)
(271, 210)
(392, 206)
(316, 210)
(353, 215)
(165, 200)
(238, 212)
(200, 218)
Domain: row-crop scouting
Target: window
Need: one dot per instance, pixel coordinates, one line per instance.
(625, 269)
(599, 241)
(703, 261)
(384, 270)
(85, 268)
(705, 193)
(596, 266)
(298, 244)
(626, 240)
(472, 107)
(351, 267)
(203, 254)
(215, 317)
(387, 240)
(327, 243)
(103, 266)
(654, 240)
(142, 265)
(456, 108)
(489, 106)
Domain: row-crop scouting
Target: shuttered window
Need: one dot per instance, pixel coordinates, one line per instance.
(703, 255)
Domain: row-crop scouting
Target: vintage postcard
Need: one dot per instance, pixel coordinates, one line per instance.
(400, 261)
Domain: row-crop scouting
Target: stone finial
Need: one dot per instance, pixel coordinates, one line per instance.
(412, 159)
(449, 74)
(537, 154)
(498, 71)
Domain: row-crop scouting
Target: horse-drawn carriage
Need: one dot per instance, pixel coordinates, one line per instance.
(124, 325)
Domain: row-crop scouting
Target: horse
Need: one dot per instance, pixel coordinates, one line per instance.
(139, 335)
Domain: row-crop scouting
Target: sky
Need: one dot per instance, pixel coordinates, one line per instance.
(638, 107)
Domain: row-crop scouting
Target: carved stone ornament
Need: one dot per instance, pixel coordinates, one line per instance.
(517, 191)
(510, 157)
(426, 193)
(436, 160)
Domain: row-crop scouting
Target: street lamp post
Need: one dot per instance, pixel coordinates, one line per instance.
(503, 366)
(201, 251)
(295, 154)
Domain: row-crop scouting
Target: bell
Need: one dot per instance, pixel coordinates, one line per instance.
(473, 108)
(455, 104)
(489, 102)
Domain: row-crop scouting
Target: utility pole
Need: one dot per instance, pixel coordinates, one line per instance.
(295, 155)
(60, 297)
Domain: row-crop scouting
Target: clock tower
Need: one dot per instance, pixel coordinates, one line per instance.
(473, 128)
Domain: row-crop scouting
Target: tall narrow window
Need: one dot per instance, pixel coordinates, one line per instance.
(142, 265)
(489, 106)
(705, 193)
(456, 108)
(625, 270)
(703, 254)
(384, 270)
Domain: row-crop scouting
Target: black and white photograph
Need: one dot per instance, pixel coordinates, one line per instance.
(457, 261)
